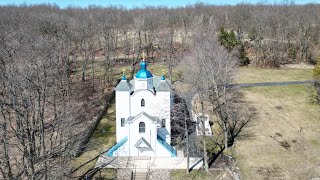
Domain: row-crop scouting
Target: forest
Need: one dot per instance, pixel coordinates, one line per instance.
(58, 65)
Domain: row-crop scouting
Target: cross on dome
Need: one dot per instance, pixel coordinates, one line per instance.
(143, 72)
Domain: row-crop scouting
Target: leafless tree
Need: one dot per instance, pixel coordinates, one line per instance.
(209, 70)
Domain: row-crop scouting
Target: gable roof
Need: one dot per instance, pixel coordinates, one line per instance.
(143, 145)
(154, 119)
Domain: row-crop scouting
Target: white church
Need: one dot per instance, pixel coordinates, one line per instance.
(143, 124)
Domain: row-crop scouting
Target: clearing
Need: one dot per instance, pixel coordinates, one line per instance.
(283, 141)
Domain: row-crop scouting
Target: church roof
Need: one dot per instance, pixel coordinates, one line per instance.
(124, 85)
(152, 118)
(159, 83)
(163, 85)
(143, 72)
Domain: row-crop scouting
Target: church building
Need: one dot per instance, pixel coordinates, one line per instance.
(143, 126)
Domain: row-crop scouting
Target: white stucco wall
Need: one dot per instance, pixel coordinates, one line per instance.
(122, 111)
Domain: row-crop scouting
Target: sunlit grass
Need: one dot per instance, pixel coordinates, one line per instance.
(102, 139)
(197, 174)
(256, 74)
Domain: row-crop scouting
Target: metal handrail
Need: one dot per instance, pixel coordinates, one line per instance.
(167, 146)
(117, 146)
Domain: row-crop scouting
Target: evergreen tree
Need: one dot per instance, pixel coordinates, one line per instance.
(230, 42)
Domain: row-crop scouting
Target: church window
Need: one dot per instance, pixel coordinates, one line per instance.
(122, 122)
(142, 127)
(142, 103)
(163, 122)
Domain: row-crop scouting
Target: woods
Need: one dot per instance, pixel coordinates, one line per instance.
(52, 80)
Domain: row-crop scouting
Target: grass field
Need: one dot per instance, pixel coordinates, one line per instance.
(283, 141)
(200, 175)
(256, 74)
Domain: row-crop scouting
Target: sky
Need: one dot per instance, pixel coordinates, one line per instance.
(141, 3)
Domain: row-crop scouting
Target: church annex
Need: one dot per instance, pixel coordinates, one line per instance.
(143, 124)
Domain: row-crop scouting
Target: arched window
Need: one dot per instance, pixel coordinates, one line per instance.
(142, 103)
(142, 127)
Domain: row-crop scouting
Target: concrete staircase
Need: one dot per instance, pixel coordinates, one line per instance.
(140, 167)
(141, 174)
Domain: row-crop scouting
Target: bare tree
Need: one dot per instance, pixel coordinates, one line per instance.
(209, 70)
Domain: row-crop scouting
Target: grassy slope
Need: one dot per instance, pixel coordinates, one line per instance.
(102, 139)
(284, 116)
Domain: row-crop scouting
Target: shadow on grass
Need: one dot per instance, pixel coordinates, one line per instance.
(104, 130)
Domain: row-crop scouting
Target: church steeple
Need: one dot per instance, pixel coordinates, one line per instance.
(143, 78)
(143, 72)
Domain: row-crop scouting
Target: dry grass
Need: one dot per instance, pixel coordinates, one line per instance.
(283, 142)
(256, 74)
(200, 175)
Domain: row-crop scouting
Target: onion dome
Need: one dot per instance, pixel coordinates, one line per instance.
(143, 73)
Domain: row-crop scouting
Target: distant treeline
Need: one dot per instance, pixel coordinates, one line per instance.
(276, 34)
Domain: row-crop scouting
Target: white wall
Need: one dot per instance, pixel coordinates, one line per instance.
(122, 111)
(143, 84)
